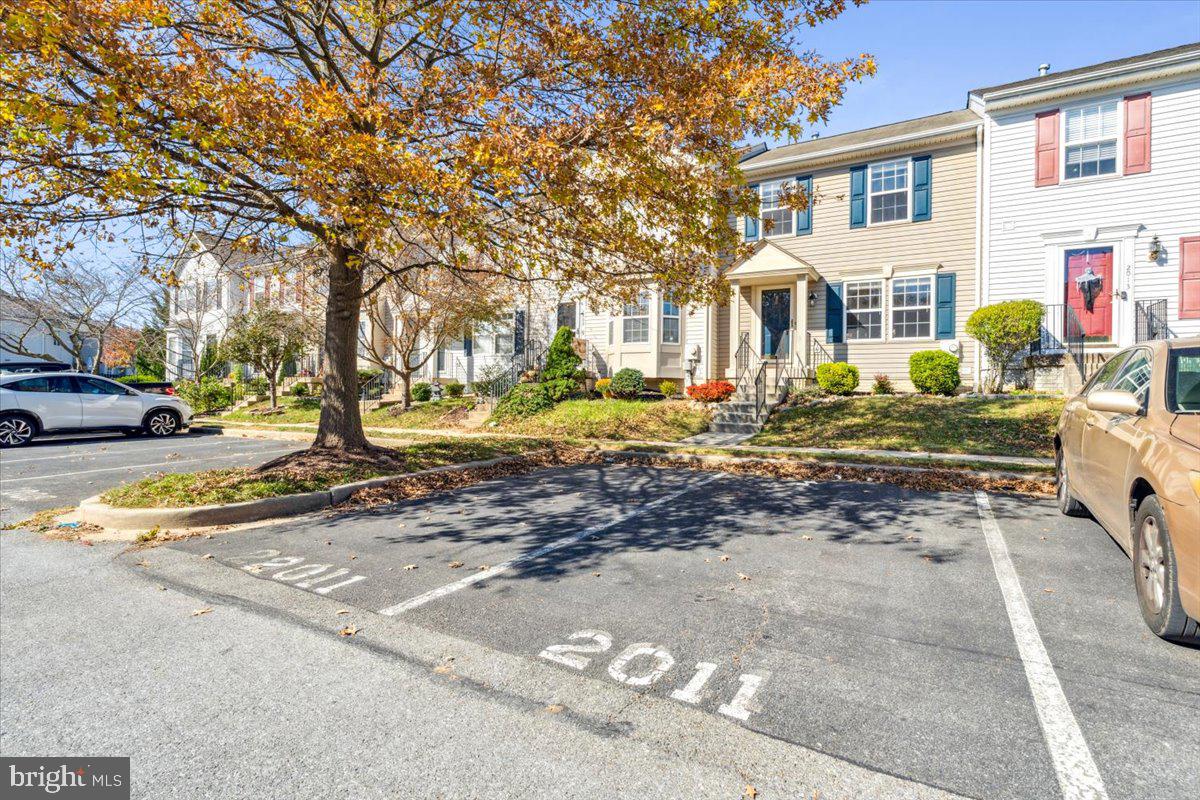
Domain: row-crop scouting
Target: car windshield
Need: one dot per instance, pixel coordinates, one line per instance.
(1183, 380)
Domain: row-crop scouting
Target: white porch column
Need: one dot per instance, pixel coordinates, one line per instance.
(800, 325)
(734, 326)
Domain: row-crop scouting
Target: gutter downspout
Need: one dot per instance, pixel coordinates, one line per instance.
(982, 221)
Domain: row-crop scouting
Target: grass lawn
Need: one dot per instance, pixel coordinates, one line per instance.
(1014, 426)
(666, 420)
(436, 414)
(241, 484)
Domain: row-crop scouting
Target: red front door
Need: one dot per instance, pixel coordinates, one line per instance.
(1097, 323)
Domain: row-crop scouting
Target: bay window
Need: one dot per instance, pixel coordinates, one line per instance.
(1090, 140)
(636, 323)
(864, 310)
(670, 322)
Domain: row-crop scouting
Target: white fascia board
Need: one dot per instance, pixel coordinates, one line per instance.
(962, 127)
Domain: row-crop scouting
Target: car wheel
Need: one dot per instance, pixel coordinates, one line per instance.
(162, 423)
(15, 431)
(1067, 503)
(1156, 576)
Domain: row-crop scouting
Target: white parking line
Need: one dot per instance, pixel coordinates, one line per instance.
(1078, 776)
(132, 466)
(451, 588)
(189, 444)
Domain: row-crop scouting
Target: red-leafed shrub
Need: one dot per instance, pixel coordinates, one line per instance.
(711, 392)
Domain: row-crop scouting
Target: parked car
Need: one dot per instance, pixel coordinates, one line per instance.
(1128, 451)
(67, 402)
(33, 366)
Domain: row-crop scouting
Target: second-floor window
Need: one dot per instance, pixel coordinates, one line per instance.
(888, 187)
(636, 323)
(864, 310)
(1090, 140)
(776, 217)
(670, 322)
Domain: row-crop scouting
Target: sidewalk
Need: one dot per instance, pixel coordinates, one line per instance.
(704, 440)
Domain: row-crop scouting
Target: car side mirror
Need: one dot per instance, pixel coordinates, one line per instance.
(1115, 402)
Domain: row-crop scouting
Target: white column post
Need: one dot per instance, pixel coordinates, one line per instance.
(735, 310)
(800, 324)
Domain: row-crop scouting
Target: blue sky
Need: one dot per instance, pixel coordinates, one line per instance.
(930, 53)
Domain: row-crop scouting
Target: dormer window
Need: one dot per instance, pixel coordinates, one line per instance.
(1090, 140)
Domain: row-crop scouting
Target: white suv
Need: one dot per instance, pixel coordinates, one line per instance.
(65, 402)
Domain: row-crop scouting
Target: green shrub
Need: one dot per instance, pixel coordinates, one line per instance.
(837, 377)
(141, 377)
(454, 389)
(882, 385)
(560, 389)
(561, 359)
(298, 390)
(259, 386)
(627, 383)
(365, 375)
(1003, 330)
(524, 400)
(209, 394)
(604, 387)
(668, 388)
(934, 371)
(422, 391)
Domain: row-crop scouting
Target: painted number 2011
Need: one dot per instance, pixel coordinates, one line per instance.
(644, 664)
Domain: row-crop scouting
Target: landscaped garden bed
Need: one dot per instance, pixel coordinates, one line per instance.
(612, 418)
(1009, 426)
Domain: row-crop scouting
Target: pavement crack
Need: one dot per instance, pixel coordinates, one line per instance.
(755, 635)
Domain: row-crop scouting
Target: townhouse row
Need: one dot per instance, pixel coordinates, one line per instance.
(1079, 189)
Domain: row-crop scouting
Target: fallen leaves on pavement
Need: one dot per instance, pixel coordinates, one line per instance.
(200, 611)
(349, 630)
(410, 566)
(455, 564)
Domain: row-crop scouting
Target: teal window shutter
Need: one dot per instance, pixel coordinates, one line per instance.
(752, 222)
(834, 313)
(922, 189)
(858, 196)
(804, 218)
(945, 306)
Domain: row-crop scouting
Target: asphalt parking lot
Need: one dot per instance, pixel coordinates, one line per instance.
(60, 471)
(984, 645)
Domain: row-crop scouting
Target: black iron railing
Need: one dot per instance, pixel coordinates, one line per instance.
(1150, 320)
(1061, 332)
(1073, 337)
(817, 355)
(741, 362)
(373, 390)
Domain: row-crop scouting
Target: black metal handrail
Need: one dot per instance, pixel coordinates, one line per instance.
(817, 355)
(372, 391)
(1073, 337)
(1150, 320)
(741, 362)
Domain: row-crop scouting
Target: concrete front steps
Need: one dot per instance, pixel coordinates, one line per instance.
(737, 416)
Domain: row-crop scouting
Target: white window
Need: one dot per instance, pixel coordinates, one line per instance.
(670, 322)
(888, 187)
(864, 310)
(776, 218)
(636, 322)
(1090, 142)
(568, 316)
(212, 293)
(912, 308)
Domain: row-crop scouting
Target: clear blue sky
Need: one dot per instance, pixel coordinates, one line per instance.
(930, 53)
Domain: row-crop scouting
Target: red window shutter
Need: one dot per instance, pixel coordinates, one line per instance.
(1189, 277)
(1137, 133)
(1046, 150)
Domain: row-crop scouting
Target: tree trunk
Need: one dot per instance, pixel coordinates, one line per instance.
(406, 379)
(340, 426)
(274, 392)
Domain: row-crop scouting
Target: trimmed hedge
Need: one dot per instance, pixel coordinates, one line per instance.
(837, 377)
(934, 372)
(454, 389)
(422, 391)
(628, 383)
(524, 400)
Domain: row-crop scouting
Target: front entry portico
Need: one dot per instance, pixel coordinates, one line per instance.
(769, 307)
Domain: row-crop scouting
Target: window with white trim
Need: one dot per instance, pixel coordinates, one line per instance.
(670, 322)
(912, 308)
(635, 327)
(1090, 140)
(777, 219)
(887, 190)
(864, 310)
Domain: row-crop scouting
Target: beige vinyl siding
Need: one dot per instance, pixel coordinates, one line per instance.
(840, 253)
(717, 367)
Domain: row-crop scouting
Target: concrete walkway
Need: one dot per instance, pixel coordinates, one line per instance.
(716, 441)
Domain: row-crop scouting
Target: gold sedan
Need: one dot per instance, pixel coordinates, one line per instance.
(1128, 451)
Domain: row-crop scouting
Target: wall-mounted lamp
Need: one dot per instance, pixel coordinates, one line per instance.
(812, 298)
(1156, 249)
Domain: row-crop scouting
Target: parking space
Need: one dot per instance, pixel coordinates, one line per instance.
(869, 622)
(61, 471)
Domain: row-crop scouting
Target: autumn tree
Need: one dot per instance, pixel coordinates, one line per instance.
(591, 141)
(266, 339)
(414, 314)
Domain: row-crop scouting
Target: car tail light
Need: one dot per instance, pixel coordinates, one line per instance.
(170, 390)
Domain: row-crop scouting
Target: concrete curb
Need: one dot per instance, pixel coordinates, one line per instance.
(94, 511)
